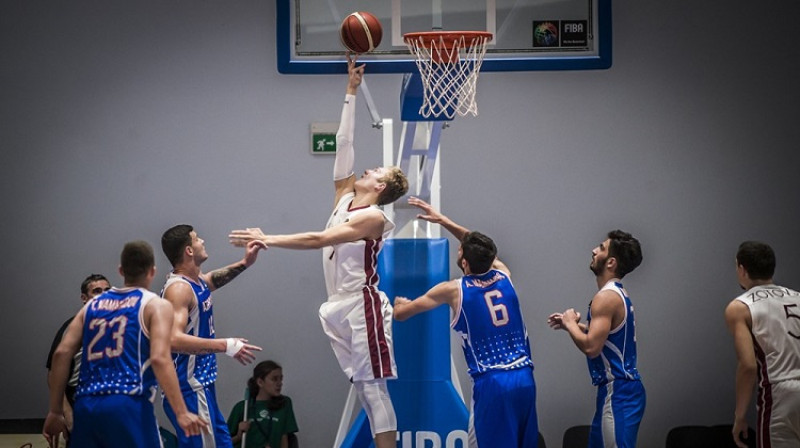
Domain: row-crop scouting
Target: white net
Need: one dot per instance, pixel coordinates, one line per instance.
(448, 64)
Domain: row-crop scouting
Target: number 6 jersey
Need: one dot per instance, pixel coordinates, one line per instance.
(116, 345)
(489, 321)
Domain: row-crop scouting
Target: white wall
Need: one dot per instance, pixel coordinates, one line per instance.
(120, 119)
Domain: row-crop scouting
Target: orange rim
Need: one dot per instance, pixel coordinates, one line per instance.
(448, 38)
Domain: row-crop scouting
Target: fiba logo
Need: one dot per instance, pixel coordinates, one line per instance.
(545, 34)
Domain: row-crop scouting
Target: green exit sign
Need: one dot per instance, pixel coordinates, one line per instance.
(323, 138)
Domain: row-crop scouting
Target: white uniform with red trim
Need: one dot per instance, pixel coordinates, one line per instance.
(357, 316)
(775, 313)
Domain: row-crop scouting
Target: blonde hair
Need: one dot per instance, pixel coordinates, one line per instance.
(396, 186)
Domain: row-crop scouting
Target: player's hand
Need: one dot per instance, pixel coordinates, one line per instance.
(246, 354)
(241, 238)
(740, 432)
(355, 73)
(429, 213)
(192, 424)
(555, 321)
(570, 315)
(54, 426)
(400, 301)
(251, 254)
(244, 426)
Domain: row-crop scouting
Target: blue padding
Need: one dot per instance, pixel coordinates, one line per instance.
(428, 407)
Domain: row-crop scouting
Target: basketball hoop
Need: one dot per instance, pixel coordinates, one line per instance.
(448, 63)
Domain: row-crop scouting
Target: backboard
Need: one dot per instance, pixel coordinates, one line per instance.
(529, 35)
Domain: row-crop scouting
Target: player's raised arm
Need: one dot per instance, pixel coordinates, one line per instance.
(220, 277)
(430, 214)
(343, 174)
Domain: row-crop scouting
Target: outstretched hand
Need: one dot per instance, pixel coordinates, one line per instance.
(243, 238)
(429, 214)
(246, 354)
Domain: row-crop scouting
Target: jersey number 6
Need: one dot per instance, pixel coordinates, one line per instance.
(499, 312)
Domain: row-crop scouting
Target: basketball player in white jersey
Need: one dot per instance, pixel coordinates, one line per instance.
(765, 323)
(194, 339)
(357, 316)
(125, 336)
(608, 339)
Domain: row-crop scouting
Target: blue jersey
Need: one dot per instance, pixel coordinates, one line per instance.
(617, 360)
(489, 321)
(116, 345)
(196, 371)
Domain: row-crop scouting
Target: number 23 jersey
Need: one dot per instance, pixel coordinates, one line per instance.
(116, 345)
(489, 321)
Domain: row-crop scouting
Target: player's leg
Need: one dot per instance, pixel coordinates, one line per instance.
(219, 426)
(627, 404)
(197, 403)
(118, 421)
(781, 427)
(377, 404)
(620, 408)
(83, 423)
(332, 316)
(504, 410)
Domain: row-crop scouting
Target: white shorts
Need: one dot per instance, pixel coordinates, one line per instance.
(360, 331)
(778, 410)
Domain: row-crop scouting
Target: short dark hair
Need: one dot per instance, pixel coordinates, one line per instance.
(175, 240)
(396, 186)
(757, 258)
(479, 250)
(90, 279)
(136, 260)
(626, 250)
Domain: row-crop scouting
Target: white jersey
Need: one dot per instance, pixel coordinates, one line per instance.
(351, 267)
(775, 313)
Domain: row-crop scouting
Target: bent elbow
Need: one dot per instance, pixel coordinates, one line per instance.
(592, 352)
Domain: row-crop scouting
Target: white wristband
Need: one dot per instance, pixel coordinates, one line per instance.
(233, 346)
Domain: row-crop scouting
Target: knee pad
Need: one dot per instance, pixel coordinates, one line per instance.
(374, 397)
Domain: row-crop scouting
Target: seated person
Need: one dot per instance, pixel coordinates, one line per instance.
(270, 418)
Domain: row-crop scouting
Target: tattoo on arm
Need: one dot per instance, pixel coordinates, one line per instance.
(222, 277)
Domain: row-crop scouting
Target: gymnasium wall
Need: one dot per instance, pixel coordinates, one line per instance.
(120, 119)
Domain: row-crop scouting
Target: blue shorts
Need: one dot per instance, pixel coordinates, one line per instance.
(620, 407)
(504, 410)
(111, 421)
(204, 404)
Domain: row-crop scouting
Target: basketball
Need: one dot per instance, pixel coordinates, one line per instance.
(361, 32)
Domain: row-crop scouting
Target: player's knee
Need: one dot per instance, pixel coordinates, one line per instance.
(374, 397)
